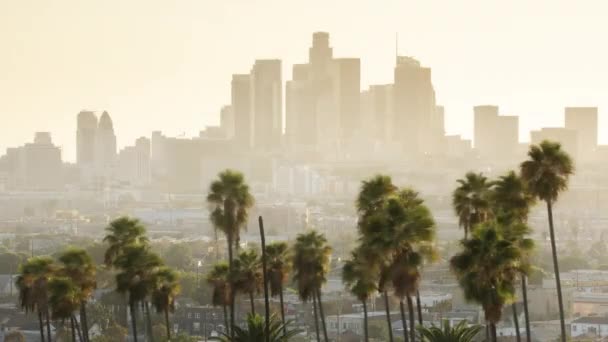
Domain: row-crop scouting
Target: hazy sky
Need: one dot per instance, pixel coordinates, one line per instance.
(167, 64)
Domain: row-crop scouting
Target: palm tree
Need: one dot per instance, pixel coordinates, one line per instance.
(230, 202)
(247, 275)
(256, 331)
(511, 204)
(471, 201)
(166, 288)
(372, 222)
(32, 283)
(78, 266)
(138, 267)
(277, 256)
(546, 174)
(311, 264)
(356, 275)
(486, 269)
(218, 277)
(459, 333)
(64, 299)
(121, 233)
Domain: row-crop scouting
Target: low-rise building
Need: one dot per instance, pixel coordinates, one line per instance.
(590, 326)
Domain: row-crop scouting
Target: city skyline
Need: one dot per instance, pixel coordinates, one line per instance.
(160, 94)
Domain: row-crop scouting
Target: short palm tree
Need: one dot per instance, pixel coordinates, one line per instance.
(471, 201)
(138, 266)
(218, 277)
(486, 270)
(247, 275)
(64, 299)
(166, 289)
(462, 332)
(77, 265)
(230, 203)
(546, 174)
(32, 283)
(357, 275)
(311, 259)
(279, 266)
(256, 331)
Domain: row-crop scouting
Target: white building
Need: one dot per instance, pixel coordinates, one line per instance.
(590, 325)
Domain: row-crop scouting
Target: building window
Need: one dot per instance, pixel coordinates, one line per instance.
(189, 315)
(198, 315)
(196, 326)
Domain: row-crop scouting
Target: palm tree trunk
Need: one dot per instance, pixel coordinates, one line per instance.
(493, 331)
(83, 321)
(560, 301)
(252, 303)
(524, 292)
(226, 318)
(314, 310)
(149, 320)
(322, 314)
(282, 310)
(516, 322)
(487, 331)
(78, 331)
(168, 326)
(410, 308)
(365, 332)
(406, 336)
(73, 329)
(388, 317)
(41, 325)
(133, 322)
(419, 307)
(230, 260)
(265, 279)
(48, 324)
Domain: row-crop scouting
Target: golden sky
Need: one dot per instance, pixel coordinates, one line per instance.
(167, 64)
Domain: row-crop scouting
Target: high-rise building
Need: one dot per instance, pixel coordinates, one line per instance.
(267, 105)
(242, 110)
(300, 119)
(484, 122)
(85, 137)
(105, 144)
(227, 121)
(320, 55)
(37, 165)
(134, 164)
(415, 107)
(494, 134)
(584, 121)
(346, 87)
(568, 138)
(377, 112)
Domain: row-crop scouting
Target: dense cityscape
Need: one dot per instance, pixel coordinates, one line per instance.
(308, 147)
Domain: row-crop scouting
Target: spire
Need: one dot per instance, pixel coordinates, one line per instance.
(105, 122)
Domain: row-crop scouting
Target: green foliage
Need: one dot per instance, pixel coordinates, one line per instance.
(471, 201)
(32, 283)
(114, 333)
(178, 256)
(459, 333)
(9, 262)
(256, 331)
(378, 330)
(487, 268)
(356, 276)
(14, 336)
(219, 278)
(137, 265)
(247, 272)
(278, 266)
(121, 233)
(64, 297)
(547, 171)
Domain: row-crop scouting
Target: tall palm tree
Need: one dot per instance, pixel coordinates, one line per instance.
(486, 269)
(64, 300)
(78, 266)
(546, 174)
(356, 275)
(511, 204)
(166, 288)
(311, 264)
(372, 222)
(410, 240)
(247, 275)
(138, 266)
(219, 278)
(32, 283)
(471, 201)
(230, 203)
(278, 257)
(121, 233)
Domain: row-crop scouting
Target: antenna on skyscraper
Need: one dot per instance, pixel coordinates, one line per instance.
(396, 45)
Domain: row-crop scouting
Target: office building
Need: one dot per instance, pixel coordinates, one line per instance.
(134, 166)
(105, 144)
(346, 89)
(241, 95)
(85, 137)
(568, 138)
(584, 121)
(495, 135)
(267, 99)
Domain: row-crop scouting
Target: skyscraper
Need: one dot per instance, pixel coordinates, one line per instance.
(584, 121)
(414, 107)
(85, 137)
(267, 105)
(494, 134)
(346, 89)
(227, 121)
(105, 143)
(376, 112)
(241, 109)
